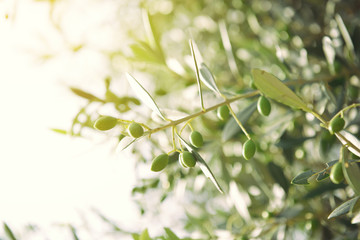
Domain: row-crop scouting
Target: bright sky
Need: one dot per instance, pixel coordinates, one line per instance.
(47, 177)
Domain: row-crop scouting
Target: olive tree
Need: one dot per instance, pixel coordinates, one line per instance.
(248, 112)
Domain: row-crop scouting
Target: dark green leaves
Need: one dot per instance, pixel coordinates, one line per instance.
(344, 208)
(302, 178)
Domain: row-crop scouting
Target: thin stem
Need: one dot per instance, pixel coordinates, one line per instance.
(347, 108)
(238, 121)
(206, 110)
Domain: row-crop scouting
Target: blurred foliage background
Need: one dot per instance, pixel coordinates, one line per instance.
(312, 44)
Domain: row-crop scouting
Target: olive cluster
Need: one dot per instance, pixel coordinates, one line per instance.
(186, 158)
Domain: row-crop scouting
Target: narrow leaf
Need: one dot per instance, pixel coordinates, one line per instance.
(8, 232)
(57, 130)
(303, 177)
(352, 175)
(350, 137)
(143, 95)
(229, 53)
(125, 143)
(145, 235)
(241, 200)
(273, 88)
(170, 234)
(329, 52)
(343, 208)
(203, 166)
(85, 95)
(278, 175)
(322, 175)
(208, 79)
(197, 73)
(231, 128)
(74, 233)
(345, 34)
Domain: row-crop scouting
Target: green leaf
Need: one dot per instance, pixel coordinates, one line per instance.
(85, 95)
(303, 177)
(9, 232)
(324, 173)
(203, 166)
(143, 95)
(344, 208)
(273, 88)
(73, 231)
(57, 130)
(352, 175)
(152, 34)
(171, 235)
(135, 236)
(208, 79)
(125, 143)
(145, 235)
(231, 128)
(143, 52)
(197, 72)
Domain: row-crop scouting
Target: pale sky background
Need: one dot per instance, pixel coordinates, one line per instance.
(45, 177)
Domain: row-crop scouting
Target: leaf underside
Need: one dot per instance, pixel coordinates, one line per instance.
(143, 95)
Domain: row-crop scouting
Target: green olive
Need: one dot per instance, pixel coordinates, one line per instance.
(336, 173)
(160, 162)
(187, 159)
(135, 130)
(196, 139)
(336, 125)
(181, 161)
(249, 149)
(223, 113)
(105, 123)
(263, 106)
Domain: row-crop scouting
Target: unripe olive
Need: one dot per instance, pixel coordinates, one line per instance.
(135, 130)
(263, 106)
(249, 149)
(160, 162)
(105, 123)
(187, 159)
(336, 173)
(336, 125)
(196, 139)
(223, 112)
(181, 161)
